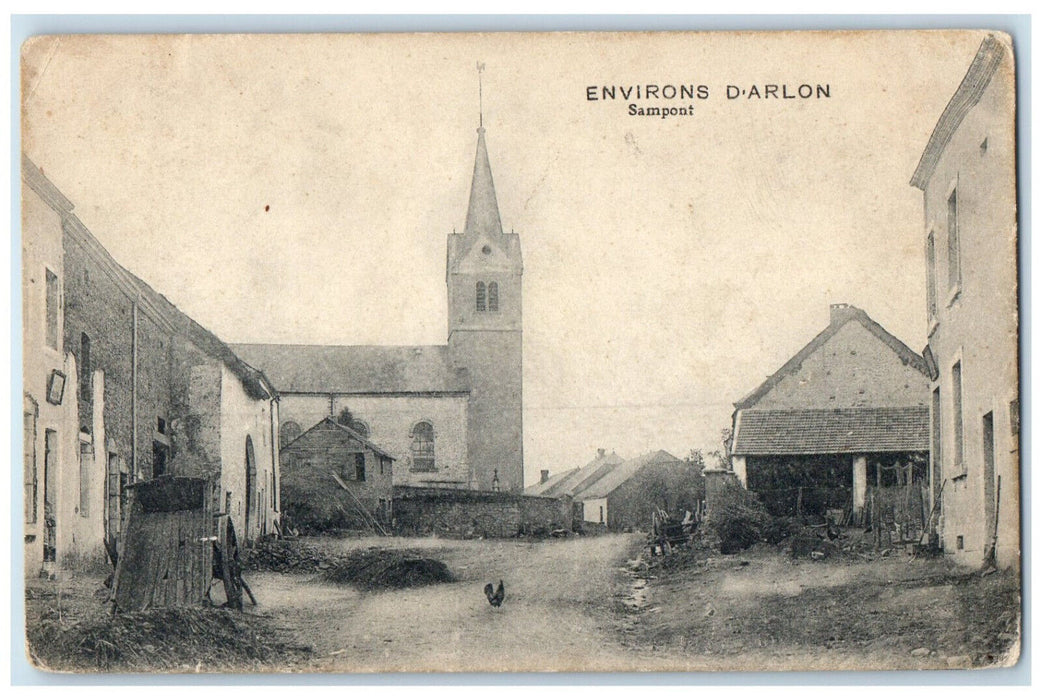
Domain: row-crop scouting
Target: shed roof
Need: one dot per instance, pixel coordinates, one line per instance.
(357, 369)
(831, 431)
(621, 473)
(544, 486)
(584, 476)
(349, 434)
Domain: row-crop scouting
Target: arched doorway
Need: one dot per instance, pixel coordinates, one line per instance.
(251, 485)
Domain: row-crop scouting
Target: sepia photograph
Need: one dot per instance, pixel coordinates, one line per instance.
(520, 352)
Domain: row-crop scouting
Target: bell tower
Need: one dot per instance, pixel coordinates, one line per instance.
(483, 276)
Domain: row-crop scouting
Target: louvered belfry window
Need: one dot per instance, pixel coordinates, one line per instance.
(493, 296)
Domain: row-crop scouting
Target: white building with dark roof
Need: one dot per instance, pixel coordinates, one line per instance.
(570, 482)
(967, 174)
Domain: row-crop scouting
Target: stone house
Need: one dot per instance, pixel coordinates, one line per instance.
(626, 495)
(967, 174)
(333, 478)
(847, 411)
(146, 391)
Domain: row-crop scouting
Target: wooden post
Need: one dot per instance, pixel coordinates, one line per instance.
(991, 558)
(876, 508)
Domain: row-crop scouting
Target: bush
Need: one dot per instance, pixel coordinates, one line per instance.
(780, 529)
(737, 519)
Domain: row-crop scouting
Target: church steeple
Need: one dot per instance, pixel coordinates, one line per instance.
(483, 275)
(483, 210)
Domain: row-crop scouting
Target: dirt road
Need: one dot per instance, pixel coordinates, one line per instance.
(577, 605)
(563, 611)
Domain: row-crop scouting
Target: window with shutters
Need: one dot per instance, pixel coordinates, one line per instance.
(86, 467)
(29, 464)
(931, 277)
(85, 368)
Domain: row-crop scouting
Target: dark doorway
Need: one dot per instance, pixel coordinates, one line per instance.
(50, 495)
(935, 445)
(115, 497)
(988, 440)
(251, 484)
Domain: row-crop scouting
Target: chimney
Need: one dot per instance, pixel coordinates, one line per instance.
(600, 452)
(839, 313)
(544, 476)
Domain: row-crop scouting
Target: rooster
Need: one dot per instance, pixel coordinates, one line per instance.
(495, 598)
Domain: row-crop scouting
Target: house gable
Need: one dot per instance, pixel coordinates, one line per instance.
(851, 364)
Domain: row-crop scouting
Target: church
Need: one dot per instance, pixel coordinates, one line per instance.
(450, 415)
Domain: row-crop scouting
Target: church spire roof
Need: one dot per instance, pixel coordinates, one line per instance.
(483, 210)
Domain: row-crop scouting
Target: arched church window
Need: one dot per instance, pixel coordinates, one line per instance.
(481, 296)
(423, 447)
(288, 432)
(493, 296)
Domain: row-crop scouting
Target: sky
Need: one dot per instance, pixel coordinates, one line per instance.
(299, 189)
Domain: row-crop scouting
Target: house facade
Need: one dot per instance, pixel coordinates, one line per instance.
(967, 174)
(449, 414)
(146, 392)
(849, 410)
(625, 497)
(50, 421)
(333, 478)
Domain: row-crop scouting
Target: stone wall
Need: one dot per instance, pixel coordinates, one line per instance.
(459, 513)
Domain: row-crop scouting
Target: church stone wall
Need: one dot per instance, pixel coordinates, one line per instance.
(420, 511)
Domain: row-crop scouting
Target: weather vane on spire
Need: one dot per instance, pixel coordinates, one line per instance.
(481, 115)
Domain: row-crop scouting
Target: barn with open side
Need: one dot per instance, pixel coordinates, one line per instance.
(841, 427)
